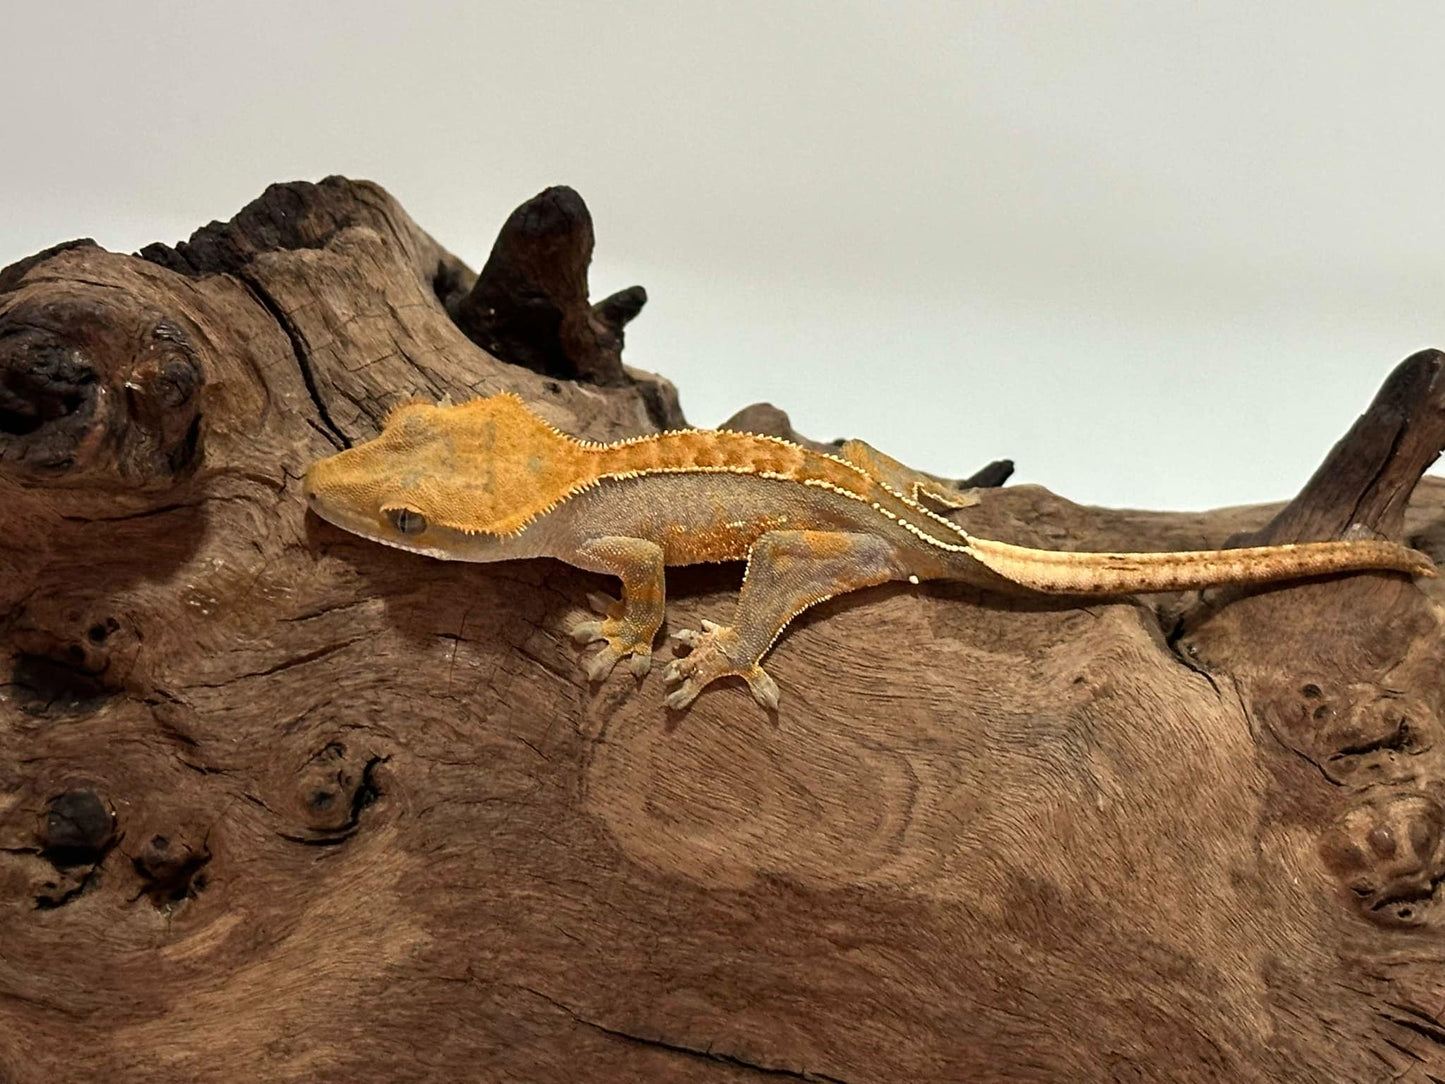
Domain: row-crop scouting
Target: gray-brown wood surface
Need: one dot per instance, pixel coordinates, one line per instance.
(280, 804)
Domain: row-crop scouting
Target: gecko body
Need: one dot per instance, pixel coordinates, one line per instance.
(489, 480)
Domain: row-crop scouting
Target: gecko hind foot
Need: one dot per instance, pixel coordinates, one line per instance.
(708, 661)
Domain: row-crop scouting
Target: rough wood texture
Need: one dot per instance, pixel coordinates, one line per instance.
(279, 804)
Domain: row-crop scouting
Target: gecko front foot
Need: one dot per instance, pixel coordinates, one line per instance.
(621, 642)
(713, 656)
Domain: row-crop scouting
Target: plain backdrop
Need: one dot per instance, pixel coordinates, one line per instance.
(1159, 253)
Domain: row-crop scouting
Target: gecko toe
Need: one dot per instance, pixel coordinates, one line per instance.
(640, 664)
(765, 689)
(687, 637)
(604, 604)
(601, 664)
(587, 632)
(682, 696)
(678, 670)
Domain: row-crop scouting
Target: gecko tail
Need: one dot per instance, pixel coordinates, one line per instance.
(1060, 572)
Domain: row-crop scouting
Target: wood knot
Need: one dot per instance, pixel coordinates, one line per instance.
(1358, 733)
(1389, 854)
(76, 830)
(71, 659)
(49, 686)
(92, 389)
(170, 870)
(49, 393)
(163, 396)
(332, 789)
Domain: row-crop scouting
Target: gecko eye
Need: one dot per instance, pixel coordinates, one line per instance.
(406, 521)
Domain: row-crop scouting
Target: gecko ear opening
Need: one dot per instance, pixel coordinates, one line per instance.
(406, 520)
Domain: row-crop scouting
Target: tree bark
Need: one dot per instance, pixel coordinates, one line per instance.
(278, 803)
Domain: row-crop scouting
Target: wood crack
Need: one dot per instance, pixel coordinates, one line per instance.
(703, 1053)
(299, 660)
(332, 432)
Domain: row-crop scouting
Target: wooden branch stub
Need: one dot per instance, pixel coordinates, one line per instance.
(617, 310)
(1365, 482)
(529, 305)
(989, 476)
(1342, 673)
(300, 245)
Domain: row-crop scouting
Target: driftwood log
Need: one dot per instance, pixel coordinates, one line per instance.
(279, 804)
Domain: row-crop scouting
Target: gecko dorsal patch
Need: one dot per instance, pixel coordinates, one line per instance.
(504, 466)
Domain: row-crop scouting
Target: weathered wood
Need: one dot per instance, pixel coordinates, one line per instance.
(529, 305)
(276, 803)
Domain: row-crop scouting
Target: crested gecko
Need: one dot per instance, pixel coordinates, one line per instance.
(489, 480)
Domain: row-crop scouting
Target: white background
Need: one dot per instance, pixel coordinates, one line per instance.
(1160, 253)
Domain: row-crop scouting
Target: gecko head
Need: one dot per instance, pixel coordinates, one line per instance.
(375, 489)
(436, 477)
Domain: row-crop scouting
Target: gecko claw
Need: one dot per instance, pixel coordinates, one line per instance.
(691, 638)
(600, 665)
(640, 664)
(763, 687)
